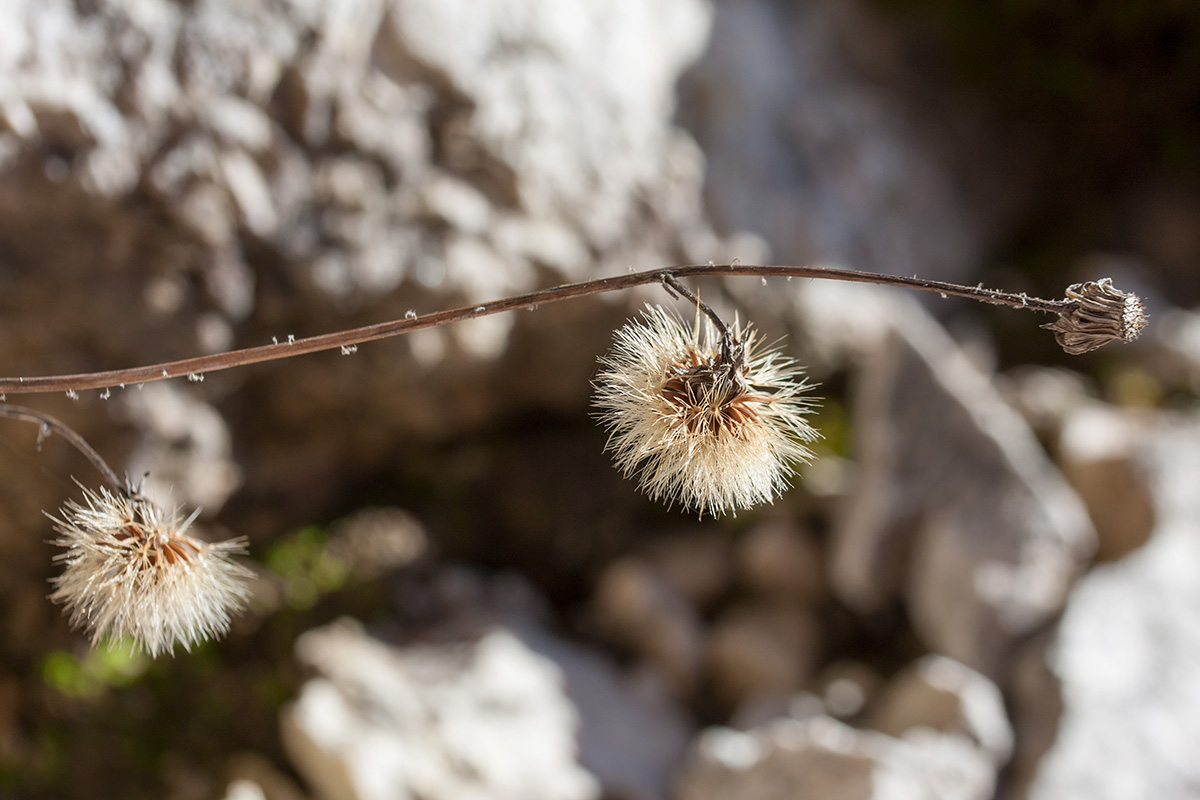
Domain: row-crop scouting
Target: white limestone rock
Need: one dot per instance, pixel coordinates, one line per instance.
(1127, 651)
(486, 719)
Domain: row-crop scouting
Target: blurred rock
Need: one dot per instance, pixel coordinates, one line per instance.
(538, 128)
(1044, 396)
(486, 702)
(778, 558)
(635, 606)
(844, 322)
(244, 789)
(1099, 451)
(761, 649)
(955, 509)
(696, 564)
(821, 758)
(943, 695)
(755, 711)
(807, 146)
(846, 686)
(372, 541)
(1036, 704)
(485, 719)
(183, 178)
(253, 776)
(186, 450)
(1172, 347)
(1127, 650)
(632, 735)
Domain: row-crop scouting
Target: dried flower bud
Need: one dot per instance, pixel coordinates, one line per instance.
(714, 433)
(1099, 313)
(133, 570)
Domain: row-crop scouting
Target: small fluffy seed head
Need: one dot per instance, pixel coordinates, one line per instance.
(132, 570)
(1100, 313)
(693, 428)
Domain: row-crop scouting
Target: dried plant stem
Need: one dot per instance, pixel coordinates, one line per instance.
(349, 338)
(732, 354)
(48, 424)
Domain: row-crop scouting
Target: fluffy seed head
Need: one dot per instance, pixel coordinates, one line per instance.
(714, 433)
(132, 569)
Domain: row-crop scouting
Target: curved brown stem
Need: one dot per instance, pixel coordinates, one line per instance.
(348, 338)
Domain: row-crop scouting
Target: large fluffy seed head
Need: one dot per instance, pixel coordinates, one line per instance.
(692, 430)
(131, 569)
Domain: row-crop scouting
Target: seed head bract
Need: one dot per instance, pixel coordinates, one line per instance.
(697, 427)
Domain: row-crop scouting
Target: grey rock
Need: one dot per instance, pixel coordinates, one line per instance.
(187, 449)
(1098, 451)
(955, 507)
(942, 695)
(372, 541)
(846, 686)
(810, 150)
(822, 758)
(1036, 704)
(777, 558)
(696, 564)
(635, 606)
(560, 154)
(244, 789)
(632, 734)
(484, 719)
(1173, 345)
(488, 703)
(1044, 396)
(182, 178)
(761, 649)
(253, 776)
(843, 323)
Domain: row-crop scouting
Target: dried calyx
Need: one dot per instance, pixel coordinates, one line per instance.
(711, 392)
(1098, 313)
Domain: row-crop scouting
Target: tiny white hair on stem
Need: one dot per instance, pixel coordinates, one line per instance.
(714, 431)
(131, 569)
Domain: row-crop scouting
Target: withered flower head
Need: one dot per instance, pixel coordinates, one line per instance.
(716, 431)
(1100, 313)
(133, 570)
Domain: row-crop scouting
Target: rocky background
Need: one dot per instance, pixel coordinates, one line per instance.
(986, 586)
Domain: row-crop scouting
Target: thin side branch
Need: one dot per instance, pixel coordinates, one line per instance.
(349, 338)
(48, 424)
(732, 353)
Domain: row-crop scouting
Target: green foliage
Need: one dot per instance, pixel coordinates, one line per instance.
(115, 663)
(832, 419)
(306, 567)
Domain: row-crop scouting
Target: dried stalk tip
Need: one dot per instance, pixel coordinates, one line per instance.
(1099, 313)
(133, 570)
(714, 431)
